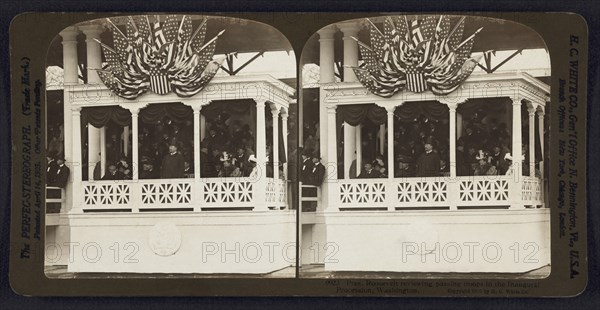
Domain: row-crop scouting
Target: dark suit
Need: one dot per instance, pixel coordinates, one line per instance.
(428, 165)
(51, 171)
(172, 166)
(61, 177)
(306, 171)
(317, 174)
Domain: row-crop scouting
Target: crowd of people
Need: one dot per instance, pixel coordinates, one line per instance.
(421, 149)
(167, 151)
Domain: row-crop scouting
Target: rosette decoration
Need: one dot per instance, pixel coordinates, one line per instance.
(418, 55)
(161, 56)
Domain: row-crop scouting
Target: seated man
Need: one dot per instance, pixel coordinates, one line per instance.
(148, 171)
(113, 174)
(369, 172)
(405, 167)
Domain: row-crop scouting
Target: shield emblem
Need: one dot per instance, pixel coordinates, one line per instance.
(160, 84)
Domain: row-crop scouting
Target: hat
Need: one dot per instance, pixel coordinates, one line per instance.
(316, 155)
(252, 158)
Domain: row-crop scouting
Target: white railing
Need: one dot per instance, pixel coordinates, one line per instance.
(531, 191)
(106, 195)
(484, 190)
(224, 193)
(182, 195)
(160, 194)
(436, 193)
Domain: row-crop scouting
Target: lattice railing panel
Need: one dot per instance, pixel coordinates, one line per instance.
(166, 193)
(106, 195)
(484, 190)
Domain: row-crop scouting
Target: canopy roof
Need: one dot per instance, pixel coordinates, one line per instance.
(496, 35)
(240, 36)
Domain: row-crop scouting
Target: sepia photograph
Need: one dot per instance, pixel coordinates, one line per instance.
(167, 148)
(422, 140)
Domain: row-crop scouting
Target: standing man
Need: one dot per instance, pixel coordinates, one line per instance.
(172, 165)
(317, 173)
(306, 168)
(61, 176)
(428, 164)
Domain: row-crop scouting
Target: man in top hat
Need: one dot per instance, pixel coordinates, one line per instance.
(173, 164)
(428, 164)
(305, 168)
(60, 177)
(51, 167)
(317, 173)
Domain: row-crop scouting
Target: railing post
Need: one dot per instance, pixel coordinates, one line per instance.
(515, 187)
(197, 186)
(259, 185)
(76, 169)
(453, 191)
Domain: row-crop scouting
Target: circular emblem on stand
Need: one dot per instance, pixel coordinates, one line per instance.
(164, 239)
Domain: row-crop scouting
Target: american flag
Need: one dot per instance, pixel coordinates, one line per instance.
(419, 55)
(161, 56)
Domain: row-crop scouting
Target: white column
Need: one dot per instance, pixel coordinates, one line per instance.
(261, 158)
(135, 157)
(350, 29)
(542, 156)
(515, 181)
(284, 132)
(93, 149)
(531, 142)
(125, 143)
(275, 150)
(452, 184)
(516, 135)
(452, 146)
(70, 78)
(102, 151)
(198, 190)
(349, 148)
(202, 127)
(381, 138)
(326, 76)
(358, 149)
(390, 142)
(331, 164)
(76, 168)
(93, 52)
(94, 61)
(541, 136)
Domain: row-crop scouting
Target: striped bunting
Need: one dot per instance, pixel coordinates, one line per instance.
(418, 54)
(160, 54)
